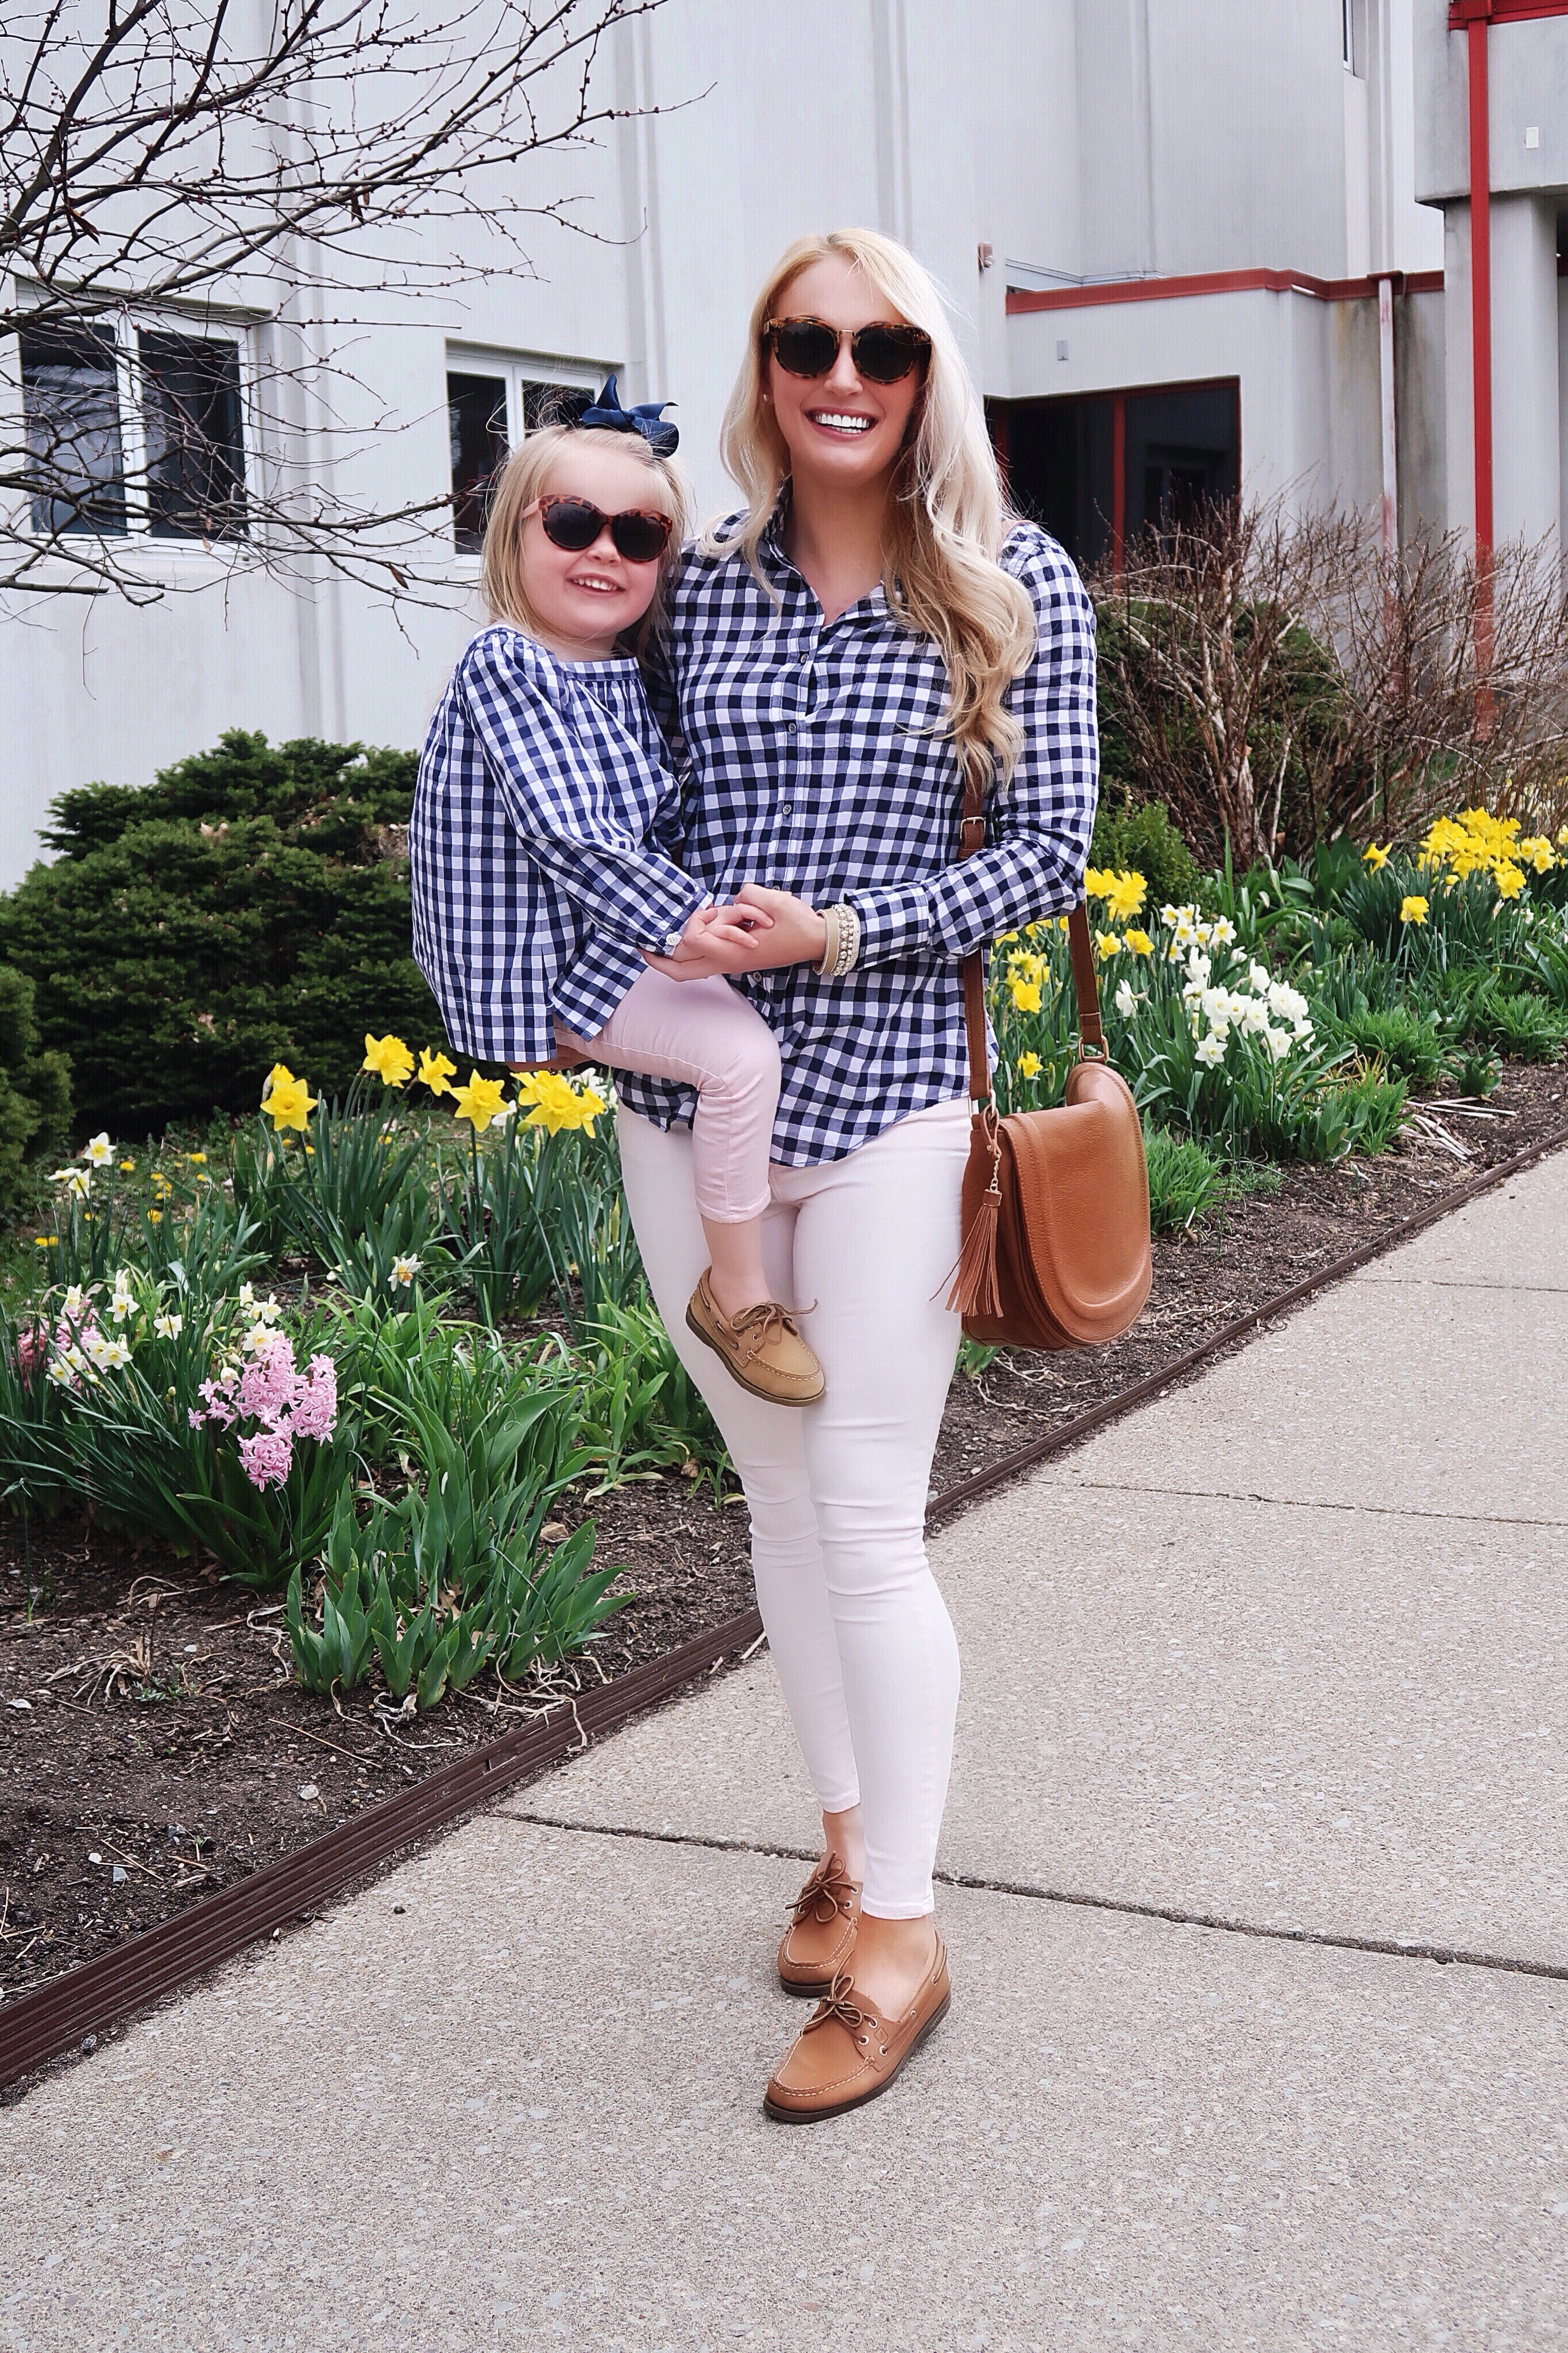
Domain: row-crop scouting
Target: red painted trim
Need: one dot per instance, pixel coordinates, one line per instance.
(1464, 13)
(1481, 282)
(1023, 299)
(1118, 483)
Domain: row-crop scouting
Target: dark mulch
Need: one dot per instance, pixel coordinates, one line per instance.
(153, 1745)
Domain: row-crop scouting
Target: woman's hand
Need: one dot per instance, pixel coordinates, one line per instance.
(760, 930)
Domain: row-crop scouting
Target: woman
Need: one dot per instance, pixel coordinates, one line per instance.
(839, 655)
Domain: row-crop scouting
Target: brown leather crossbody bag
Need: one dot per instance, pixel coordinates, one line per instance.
(1056, 1203)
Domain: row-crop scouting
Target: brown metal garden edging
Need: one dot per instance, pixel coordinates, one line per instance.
(54, 2017)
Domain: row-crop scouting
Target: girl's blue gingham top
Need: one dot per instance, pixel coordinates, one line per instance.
(537, 846)
(814, 762)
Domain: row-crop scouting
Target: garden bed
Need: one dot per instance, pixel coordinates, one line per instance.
(152, 1725)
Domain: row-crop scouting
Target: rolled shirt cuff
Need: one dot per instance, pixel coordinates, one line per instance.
(895, 921)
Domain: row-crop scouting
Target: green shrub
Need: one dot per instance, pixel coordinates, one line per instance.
(250, 906)
(1139, 837)
(35, 1085)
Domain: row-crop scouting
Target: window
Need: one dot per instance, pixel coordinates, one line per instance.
(490, 405)
(151, 445)
(70, 399)
(195, 457)
(1354, 37)
(1100, 468)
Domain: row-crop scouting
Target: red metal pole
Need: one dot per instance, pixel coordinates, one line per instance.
(1481, 335)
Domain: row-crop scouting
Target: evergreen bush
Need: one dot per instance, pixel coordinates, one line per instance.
(1139, 837)
(250, 906)
(35, 1085)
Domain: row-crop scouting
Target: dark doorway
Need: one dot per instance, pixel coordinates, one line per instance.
(1099, 469)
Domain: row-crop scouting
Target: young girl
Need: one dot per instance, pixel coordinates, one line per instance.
(540, 875)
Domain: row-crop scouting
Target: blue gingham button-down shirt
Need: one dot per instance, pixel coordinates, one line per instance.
(815, 762)
(537, 846)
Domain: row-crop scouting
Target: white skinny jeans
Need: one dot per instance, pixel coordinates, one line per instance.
(860, 1638)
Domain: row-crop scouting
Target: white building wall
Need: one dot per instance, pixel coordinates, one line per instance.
(1077, 138)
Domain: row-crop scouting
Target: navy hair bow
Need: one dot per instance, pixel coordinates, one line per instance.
(646, 419)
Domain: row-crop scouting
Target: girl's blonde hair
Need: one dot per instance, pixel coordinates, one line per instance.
(526, 475)
(946, 514)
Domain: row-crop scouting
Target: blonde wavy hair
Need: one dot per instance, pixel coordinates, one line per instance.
(527, 475)
(946, 512)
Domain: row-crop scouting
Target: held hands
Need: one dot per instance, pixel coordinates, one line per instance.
(759, 929)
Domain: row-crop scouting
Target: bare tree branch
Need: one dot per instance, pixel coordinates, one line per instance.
(284, 169)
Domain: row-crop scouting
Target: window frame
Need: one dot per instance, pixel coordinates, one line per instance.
(126, 326)
(517, 368)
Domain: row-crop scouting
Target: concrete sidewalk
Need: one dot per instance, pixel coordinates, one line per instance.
(1264, 1703)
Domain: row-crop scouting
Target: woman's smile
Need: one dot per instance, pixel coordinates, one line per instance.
(841, 420)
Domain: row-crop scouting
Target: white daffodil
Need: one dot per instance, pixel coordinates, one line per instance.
(255, 1339)
(404, 1270)
(1254, 1017)
(1124, 1000)
(1257, 978)
(76, 1181)
(1222, 932)
(1278, 1042)
(1216, 1006)
(1211, 1050)
(100, 1151)
(112, 1354)
(247, 1296)
(168, 1327)
(76, 1300)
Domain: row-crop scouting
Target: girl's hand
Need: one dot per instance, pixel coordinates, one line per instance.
(760, 930)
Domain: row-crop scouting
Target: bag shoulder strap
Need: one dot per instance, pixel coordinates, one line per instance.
(1086, 984)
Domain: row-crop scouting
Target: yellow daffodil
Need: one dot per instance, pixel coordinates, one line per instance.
(288, 1101)
(1373, 857)
(434, 1071)
(1140, 942)
(1096, 884)
(280, 1075)
(479, 1102)
(1537, 852)
(1106, 945)
(1026, 995)
(554, 1103)
(389, 1058)
(1509, 879)
(1125, 897)
(1028, 1066)
(1413, 909)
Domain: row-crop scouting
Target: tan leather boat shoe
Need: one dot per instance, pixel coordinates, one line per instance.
(845, 2053)
(819, 1942)
(762, 1348)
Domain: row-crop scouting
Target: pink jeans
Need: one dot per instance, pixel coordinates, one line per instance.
(704, 1033)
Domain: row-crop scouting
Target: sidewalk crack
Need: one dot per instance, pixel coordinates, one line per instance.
(1397, 1948)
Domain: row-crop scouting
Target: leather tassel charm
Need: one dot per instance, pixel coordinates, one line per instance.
(975, 1290)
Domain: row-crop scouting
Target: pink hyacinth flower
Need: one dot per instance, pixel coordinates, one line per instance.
(267, 1456)
(316, 1408)
(270, 1386)
(32, 1345)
